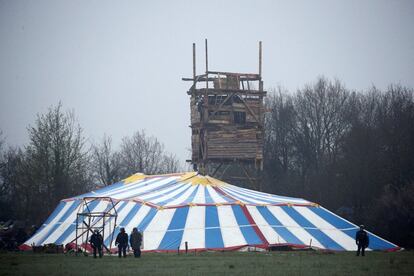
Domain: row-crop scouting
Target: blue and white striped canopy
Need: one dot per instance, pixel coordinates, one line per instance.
(205, 213)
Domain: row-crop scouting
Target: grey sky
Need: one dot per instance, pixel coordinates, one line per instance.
(118, 64)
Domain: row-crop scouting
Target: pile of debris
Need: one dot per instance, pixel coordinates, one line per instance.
(14, 233)
(48, 248)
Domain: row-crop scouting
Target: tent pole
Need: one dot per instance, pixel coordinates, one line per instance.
(113, 232)
(76, 242)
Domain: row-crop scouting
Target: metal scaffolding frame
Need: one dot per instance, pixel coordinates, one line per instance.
(87, 221)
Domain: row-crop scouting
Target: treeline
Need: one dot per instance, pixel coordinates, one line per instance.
(58, 162)
(352, 152)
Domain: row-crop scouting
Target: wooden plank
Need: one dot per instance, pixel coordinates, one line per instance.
(215, 91)
(202, 77)
(249, 75)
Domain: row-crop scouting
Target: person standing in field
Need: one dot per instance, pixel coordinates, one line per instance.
(135, 240)
(96, 241)
(362, 240)
(122, 242)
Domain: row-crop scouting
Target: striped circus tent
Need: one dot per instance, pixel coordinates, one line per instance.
(206, 214)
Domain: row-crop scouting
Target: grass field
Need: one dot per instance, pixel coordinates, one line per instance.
(212, 263)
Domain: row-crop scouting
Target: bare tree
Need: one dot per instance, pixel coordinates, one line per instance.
(321, 111)
(106, 162)
(57, 164)
(18, 192)
(280, 124)
(170, 164)
(3, 164)
(142, 153)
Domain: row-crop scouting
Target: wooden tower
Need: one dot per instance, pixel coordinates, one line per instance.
(227, 117)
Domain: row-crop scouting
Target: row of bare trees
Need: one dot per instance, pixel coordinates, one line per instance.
(58, 163)
(352, 152)
(138, 153)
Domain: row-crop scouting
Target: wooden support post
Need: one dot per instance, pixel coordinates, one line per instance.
(203, 133)
(205, 157)
(247, 175)
(206, 61)
(186, 247)
(194, 65)
(260, 59)
(206, 50)
(224, 171)
(216, 170)
(206, 115)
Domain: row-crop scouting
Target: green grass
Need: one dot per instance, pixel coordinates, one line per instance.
(212, 263)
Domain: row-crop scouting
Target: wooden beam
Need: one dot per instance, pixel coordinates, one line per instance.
(249, 75)
(247, 174)
(216, 91)
(221, 105)
(216, 170)
(251, 112)
(224, 171)
(203, 78)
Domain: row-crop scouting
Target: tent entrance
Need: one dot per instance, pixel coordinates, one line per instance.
(88, 220)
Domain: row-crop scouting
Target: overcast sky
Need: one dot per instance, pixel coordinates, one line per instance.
(119, 64)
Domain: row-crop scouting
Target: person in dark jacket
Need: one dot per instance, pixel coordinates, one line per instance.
(135, 240)
(362, 240)
(122, 242)
(96, 241)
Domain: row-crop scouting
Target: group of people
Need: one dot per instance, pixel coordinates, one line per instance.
(135, 240)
